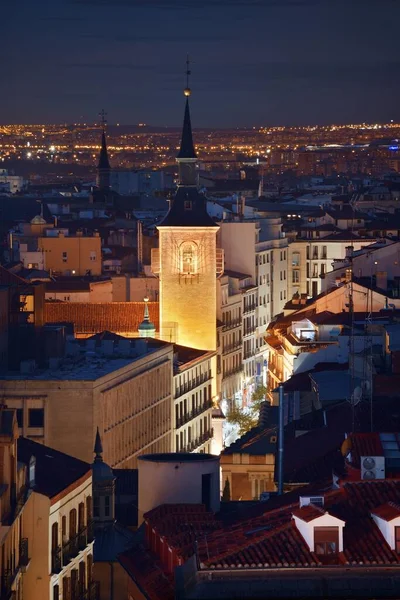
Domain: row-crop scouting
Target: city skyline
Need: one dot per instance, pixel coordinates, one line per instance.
(254, 63)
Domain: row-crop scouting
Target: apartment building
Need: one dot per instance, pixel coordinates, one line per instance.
(194, 391)
(58, 524)
(15, 552)
(230, 335)
(309, 260)
(122, 386)
(67, 254)
(257, 250)
(46, 546)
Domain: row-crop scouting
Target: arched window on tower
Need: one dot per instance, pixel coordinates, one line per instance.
(188, 258)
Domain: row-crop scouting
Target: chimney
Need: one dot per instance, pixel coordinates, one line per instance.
(381, 280)
(349, 251)
(303, 299)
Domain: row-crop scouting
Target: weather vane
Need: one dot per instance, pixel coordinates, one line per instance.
(103, 116)
(187, 90)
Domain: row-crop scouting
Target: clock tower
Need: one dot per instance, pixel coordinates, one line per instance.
(187, 260)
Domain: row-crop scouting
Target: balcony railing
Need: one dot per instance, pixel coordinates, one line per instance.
(62, 555)
(192, 384)
(231, 324)
(234, 371)
(23, 553)
(232, 347)
(249, 330)
(5, 587)
(249, 308)
(193, 413)
(199, 441)
(249, 354)
(56, 560)
(91, 593)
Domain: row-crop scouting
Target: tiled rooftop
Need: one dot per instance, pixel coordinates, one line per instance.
(272, 539)
(92, 318)
(388, 511)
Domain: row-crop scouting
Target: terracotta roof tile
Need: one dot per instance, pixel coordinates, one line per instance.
(387, 511)
(309, 513)
(93, 318)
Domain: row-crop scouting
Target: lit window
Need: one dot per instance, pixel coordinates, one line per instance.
(65, 256)
(188, 258)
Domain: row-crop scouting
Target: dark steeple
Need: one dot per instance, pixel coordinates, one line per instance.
(187, 148)
(103, 166)
(189, 207)
(104, 163)
(98, 447)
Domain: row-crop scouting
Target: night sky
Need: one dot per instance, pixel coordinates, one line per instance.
(255, 62)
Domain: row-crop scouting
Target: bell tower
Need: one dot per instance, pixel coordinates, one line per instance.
(187, 257)
(103, 166)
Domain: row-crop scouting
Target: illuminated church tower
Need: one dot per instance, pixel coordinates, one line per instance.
(186, 260)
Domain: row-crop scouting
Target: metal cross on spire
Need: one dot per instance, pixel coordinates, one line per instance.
(187, 90)
(103, 117)
(188, 71)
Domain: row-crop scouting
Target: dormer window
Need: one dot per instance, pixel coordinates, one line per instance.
(326, 540)
(387, 518)
(187, 205)
(322, 532)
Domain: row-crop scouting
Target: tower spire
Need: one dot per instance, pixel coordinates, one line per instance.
(103, 167)
(187, 150)
(98, 448)
(146, 327)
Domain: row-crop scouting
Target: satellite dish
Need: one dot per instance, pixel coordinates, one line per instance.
(369, 463)
(356, 396)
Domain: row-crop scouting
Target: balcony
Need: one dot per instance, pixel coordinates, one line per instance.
(23, 554)
(249, 330)
(249, 308)
(233, 371)
(249, 354)
(232, 324)
(61, 556)
(193, 413)
(193, 384)
(56, 560)
(5, 586)
(199, 441)
(91, 593)
(232, 347)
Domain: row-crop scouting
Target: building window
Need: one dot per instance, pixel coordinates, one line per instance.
(93, 255)
(326, 540)
(315, 252)
(20, 417)
(397, 539)
(56, 592)
(36, 417)
(187, 205)
(324, 252)
(315, 270)
(295, 276)
(96, 506)
(296, 259)
(107, 506)
(188, 252)
(65, 256)
(323, 269)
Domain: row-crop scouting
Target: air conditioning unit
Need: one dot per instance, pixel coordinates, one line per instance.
(316, 500)
(372, 467)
